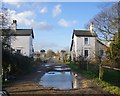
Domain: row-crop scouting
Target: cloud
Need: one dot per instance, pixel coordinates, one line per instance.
(26, 18)
(65, 23)
(23, 18)
(46, 46)
(43, 10)
(42, 25)
(13, 2)
(57, 10)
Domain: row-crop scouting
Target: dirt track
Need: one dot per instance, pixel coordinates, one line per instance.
(29, 85)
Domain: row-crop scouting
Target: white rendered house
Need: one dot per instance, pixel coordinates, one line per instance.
(85, 43)
(22, 40)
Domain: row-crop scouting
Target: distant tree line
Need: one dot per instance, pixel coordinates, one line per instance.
(59, 56)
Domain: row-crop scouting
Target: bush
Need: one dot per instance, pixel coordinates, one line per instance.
(15, 64)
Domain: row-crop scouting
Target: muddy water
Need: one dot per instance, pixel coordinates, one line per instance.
(61, 78)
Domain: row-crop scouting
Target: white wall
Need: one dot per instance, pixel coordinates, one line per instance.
(31, 45)
(93, 47)
(99, 47)
(22, 42)
(80, 46)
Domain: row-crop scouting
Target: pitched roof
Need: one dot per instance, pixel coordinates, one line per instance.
(84, 33)
(71, 45)
(21, 32)
(102, 43)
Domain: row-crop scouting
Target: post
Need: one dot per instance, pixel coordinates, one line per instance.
(0, 61)
(87, 66)
(100, 70)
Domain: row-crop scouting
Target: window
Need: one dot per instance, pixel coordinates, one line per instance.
(18, 51)
(86, 53)
(85, 41)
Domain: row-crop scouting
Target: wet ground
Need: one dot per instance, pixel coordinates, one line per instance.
(60, 78)
(53, 78)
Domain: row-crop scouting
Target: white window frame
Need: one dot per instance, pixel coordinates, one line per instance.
(84, 53)
(84, 41)
(20, 48)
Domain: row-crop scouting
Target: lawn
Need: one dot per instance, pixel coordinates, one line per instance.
(110, 77)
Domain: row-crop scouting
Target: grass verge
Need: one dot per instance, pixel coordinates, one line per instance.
(107, 87)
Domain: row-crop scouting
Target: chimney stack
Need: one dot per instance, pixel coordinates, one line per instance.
(14, 25)
(92, 27)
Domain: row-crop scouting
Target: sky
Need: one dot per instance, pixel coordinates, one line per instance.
(53, 22)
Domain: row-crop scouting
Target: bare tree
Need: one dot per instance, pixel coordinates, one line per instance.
(4, 18)
(106, 22)
(5, 39)
(5, 25)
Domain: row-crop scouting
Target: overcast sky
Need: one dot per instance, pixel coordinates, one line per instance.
(53, 22)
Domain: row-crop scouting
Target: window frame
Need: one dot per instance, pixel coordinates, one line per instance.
(86, 42)
(18, 51)
(85, 53)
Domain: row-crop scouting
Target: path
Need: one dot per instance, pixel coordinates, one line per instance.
(29, 84)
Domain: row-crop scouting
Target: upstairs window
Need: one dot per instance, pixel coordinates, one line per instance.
(85, 41)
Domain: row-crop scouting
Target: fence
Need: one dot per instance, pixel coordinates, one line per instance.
(105, 73)
(111, 68)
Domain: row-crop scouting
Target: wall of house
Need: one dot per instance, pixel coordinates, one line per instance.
(92, 48)
(99, 47)
(80, 46)
(23, 43)
(31, 45)
(72, 53)
(75, 45)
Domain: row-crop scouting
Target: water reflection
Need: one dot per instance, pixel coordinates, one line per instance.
(75, 83)
(60, 80)
(62, 69)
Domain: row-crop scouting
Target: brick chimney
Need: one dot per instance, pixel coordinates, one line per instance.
(14, 25)
(91, 27)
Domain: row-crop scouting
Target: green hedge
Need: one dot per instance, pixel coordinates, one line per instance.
(18, 64)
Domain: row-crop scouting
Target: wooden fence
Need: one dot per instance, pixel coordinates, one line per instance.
(104, 72)
(111, 68)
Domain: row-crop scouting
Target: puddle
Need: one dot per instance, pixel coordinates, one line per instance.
(63, 80)
(47, 65)
(38, 71)
(62, 69)
(58, 66)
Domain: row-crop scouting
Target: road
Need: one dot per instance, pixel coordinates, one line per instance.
(29, 84)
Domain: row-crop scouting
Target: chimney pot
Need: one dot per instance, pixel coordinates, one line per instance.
(14, 25)
(15, 21)
(91, 27)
